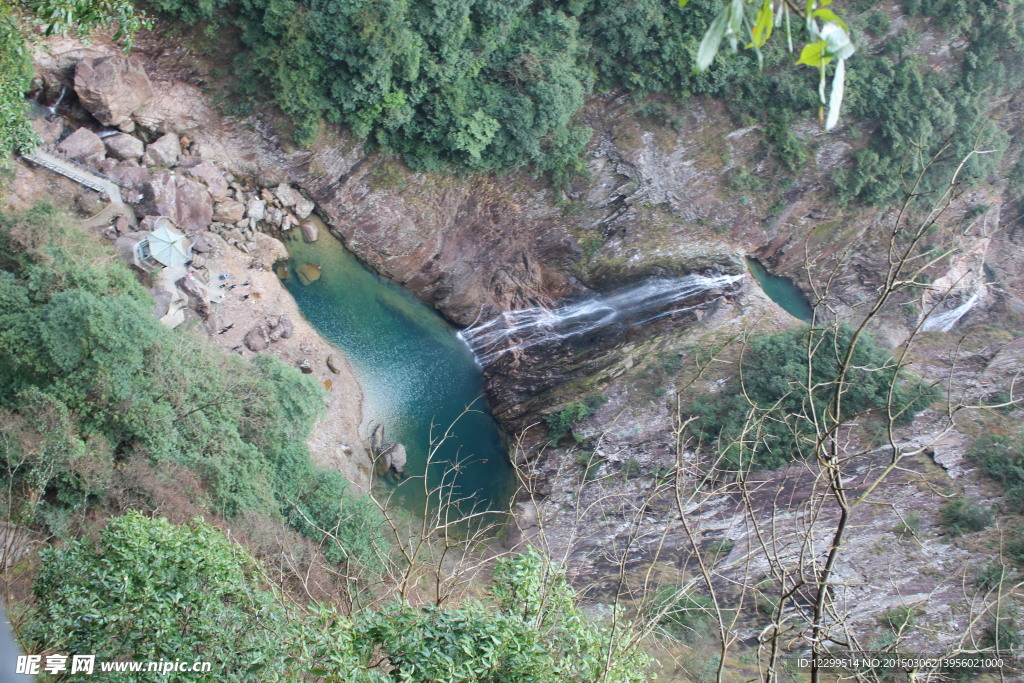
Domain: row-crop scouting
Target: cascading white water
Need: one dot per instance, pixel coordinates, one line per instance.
(635, 305)
(53, 108)
(943, 322)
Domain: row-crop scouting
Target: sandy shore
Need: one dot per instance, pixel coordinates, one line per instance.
(335, 442)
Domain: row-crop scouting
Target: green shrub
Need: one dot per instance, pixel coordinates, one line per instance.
(562, 424)
(962, 516)
(684, 615)
(85, 366)
(153, 590)
(777, 430)
(1002, 458)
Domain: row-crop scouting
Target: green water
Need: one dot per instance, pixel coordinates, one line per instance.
(782, 291)
(417, 376)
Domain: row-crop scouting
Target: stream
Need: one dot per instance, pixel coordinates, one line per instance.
(417, 378)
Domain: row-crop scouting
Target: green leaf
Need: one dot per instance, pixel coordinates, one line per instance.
(814, 54)
(762, 30)
(835, 101)
(712, 40)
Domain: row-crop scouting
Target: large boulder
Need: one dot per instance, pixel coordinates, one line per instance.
(83, 145)
(257, 339)
(124, 147)
(208, 173)
(183, 200)
(286, 195)
(164, 152)
(112, 88)
(256, 210)
(228, 211)
(309, 231)
(303, 207)
(308, 272)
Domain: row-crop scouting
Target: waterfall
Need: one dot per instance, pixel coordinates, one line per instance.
(635, 305)
(53, 109)
(943, 322)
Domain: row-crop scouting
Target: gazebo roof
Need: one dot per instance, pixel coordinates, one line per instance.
(168, 246)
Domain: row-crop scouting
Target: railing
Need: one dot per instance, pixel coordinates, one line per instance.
(78, 172)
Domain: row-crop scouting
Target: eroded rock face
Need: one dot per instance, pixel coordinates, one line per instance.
(83, 145)
(184, 201)
(112, 88)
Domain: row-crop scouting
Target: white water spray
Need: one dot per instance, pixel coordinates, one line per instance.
(516, 331)
(943, 322)
(53, 109)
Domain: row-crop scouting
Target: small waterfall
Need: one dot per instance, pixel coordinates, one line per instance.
(943, 322)
(53, 109)
(639, 304)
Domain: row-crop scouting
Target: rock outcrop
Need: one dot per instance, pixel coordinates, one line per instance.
(112, 88)
(186, 202)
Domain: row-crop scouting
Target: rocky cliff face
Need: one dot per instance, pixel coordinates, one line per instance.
(659, 201)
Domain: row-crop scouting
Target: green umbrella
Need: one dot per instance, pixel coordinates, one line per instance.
(167, 246)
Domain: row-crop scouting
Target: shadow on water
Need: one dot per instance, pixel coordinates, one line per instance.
(782, 291)
(418, 378)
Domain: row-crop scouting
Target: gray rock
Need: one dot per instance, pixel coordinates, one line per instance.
(201, 245)
(309, 231)
(124, 147)
(274, 216)
(396, 458)
(257, 339)
(306, 366)
(333, 365)
(286, 195)
(112, 88)
(303, 207)
(83, 145)
(228, 211)
(196, 296)
(162, 302)
(184, 201)
(256, 210)
(284, 324)
(164, 152)
(134, 176)
(208, 173)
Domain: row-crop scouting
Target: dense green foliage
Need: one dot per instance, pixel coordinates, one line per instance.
(15, 74)
(471, 84)
(1002, 458)
(148, 589)
(772, 421)
(203, 598)
(485, 84)
(86, 369)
